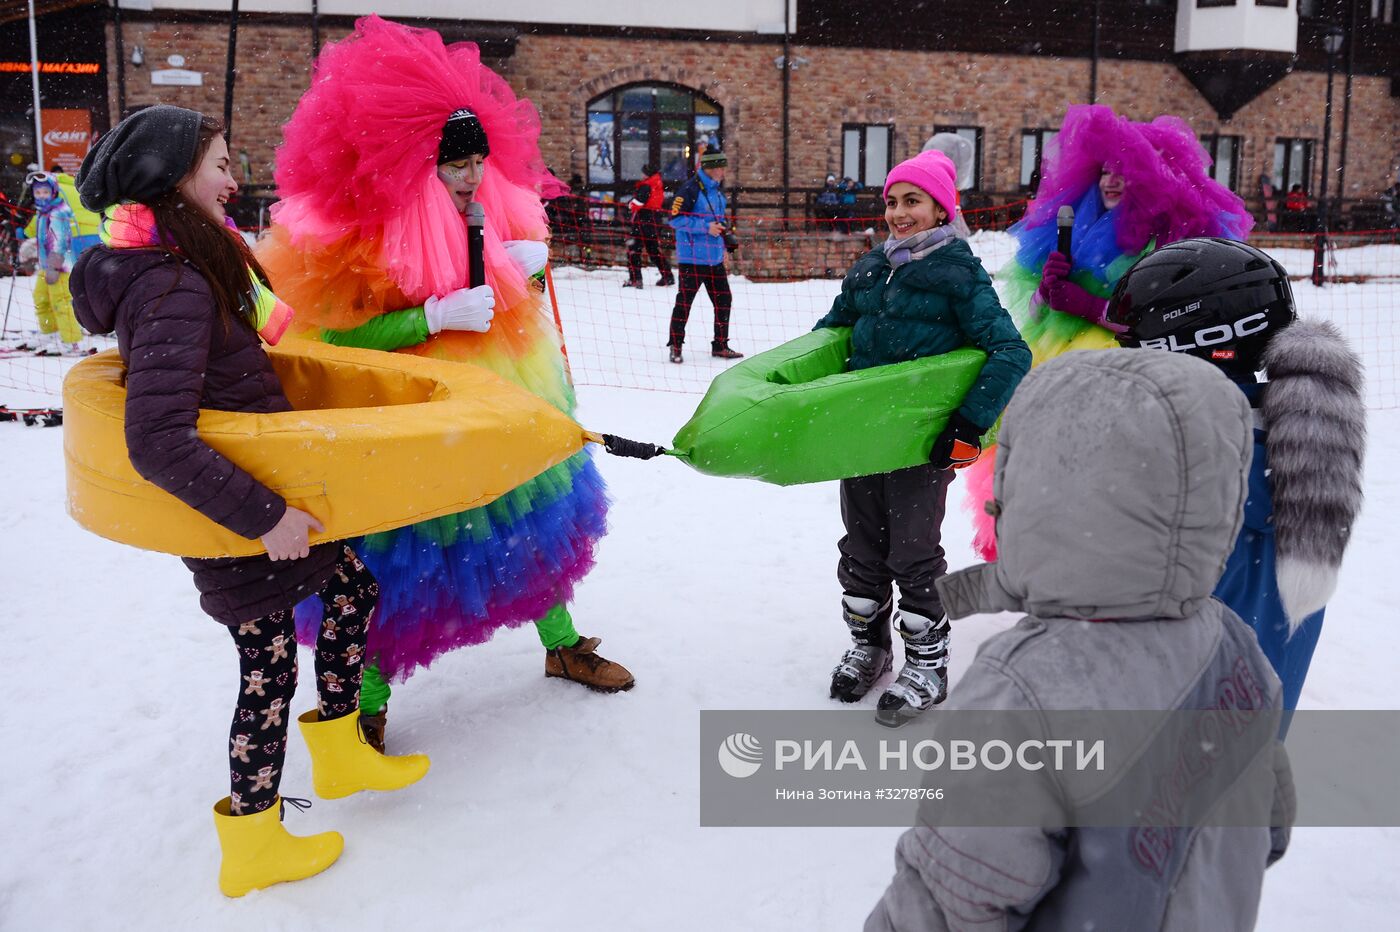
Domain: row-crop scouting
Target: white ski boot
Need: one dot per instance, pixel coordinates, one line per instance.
(923, 683)
(868, 658)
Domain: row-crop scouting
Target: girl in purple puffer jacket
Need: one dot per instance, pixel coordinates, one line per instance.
(180, 290)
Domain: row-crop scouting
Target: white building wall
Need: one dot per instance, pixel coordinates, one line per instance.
(1243, 25)
(718, 15)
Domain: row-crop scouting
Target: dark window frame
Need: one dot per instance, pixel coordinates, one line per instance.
(1208, 4)
(1039, 133)
(1282, 183)
(978, 148)
(621, 187)
(861, 147)
(1211, 143)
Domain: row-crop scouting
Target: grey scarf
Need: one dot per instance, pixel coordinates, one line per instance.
(912, 248)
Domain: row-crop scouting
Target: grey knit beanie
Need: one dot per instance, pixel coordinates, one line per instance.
(142, 157)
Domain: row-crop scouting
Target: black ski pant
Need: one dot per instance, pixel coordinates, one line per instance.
(715, 281)
(267, 661)
(894, 535)
(646, 238)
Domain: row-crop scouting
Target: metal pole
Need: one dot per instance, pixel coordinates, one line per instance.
(14, 286)
(787, 96)
(315, 29)
(1320, 245)
(229, 73)
(121, 59)
(1094, 59)
(1346, 104)
(34, 73)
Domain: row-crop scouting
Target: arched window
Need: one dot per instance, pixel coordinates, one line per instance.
(648, 124)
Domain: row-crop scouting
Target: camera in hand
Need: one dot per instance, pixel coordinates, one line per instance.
(731, 242)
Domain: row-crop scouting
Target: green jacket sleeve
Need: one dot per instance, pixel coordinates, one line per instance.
(390, 331)
(841, 313)
(988, 326)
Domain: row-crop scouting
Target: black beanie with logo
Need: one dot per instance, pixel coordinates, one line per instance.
(462, 136)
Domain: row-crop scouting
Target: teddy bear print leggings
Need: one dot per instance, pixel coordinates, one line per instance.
(267, 660)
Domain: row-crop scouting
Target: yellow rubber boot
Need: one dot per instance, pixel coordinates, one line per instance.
(342, 761)
(259, 852)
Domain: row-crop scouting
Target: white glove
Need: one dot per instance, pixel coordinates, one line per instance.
(463, 309)
(529, 256)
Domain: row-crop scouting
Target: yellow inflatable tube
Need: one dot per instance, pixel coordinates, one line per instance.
(379, 440)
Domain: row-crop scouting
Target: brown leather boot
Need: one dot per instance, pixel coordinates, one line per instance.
(372, 727)
(582, 664)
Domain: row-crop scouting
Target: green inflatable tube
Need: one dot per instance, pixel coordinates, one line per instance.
(794, 414)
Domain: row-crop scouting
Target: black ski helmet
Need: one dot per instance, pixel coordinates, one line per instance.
(1214, 298)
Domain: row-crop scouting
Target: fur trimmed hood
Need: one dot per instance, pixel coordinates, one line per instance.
(1120, 490)
(1315, 416)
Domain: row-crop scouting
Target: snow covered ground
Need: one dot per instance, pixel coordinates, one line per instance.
(547, 806)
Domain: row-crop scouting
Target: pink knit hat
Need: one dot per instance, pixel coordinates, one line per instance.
(931, 172)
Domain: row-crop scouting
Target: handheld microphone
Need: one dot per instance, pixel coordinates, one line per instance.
(476, 265)
(1064, 220)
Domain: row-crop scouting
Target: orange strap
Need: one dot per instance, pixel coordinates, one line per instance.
(558, 323)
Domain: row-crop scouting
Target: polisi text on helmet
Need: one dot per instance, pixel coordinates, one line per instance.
(1173, 315)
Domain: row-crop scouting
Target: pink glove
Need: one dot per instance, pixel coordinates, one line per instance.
(1057, 268)
(1060, 294)
(1069, 298)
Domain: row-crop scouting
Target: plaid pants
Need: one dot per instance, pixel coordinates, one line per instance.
(716, 282)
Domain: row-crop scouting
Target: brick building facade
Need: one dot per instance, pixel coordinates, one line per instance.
(1002, 93)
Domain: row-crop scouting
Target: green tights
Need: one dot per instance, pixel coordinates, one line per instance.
(556, 629)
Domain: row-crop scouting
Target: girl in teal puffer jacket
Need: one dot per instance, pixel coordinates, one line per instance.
(921, 293)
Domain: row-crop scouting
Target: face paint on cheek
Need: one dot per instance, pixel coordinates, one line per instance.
(452, 174)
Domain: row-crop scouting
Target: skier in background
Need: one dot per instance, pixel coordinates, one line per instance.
(648, 198)
(55, 228)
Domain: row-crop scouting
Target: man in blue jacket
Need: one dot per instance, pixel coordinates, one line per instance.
(698, 217)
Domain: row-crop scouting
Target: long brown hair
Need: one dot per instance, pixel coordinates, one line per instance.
(216, 252)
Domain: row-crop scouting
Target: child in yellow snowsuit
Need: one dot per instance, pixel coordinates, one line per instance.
(54, 226)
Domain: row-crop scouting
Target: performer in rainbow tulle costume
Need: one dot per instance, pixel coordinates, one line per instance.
(1134, 187)
(396, 136)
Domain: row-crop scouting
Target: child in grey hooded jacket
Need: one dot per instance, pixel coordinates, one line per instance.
(1115, 572)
